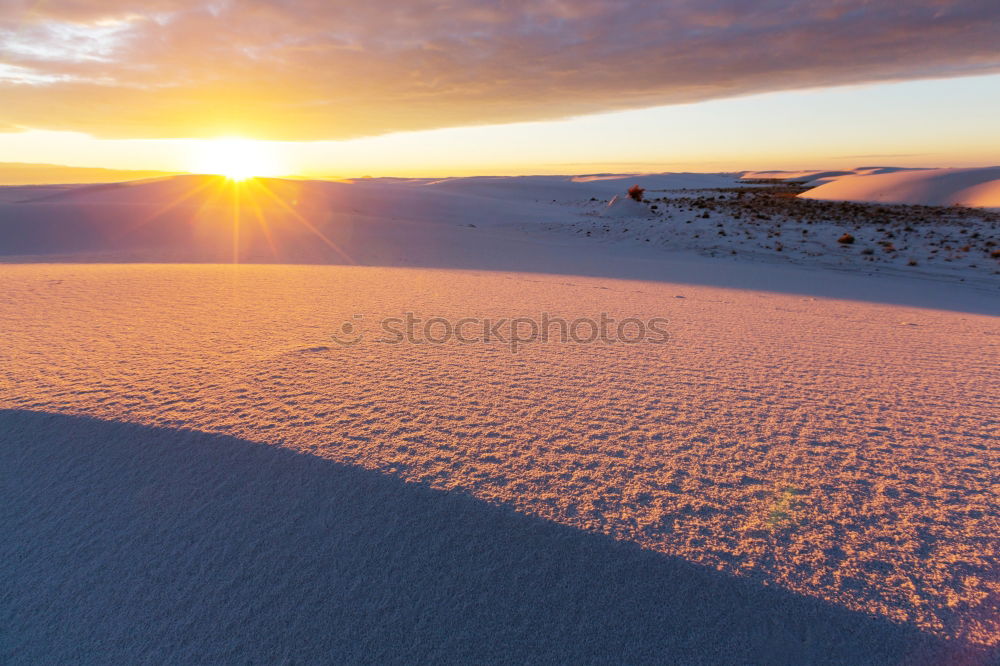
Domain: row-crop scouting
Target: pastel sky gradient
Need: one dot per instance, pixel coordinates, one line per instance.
(449, 88)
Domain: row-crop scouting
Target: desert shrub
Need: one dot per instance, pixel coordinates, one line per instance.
(636, 192)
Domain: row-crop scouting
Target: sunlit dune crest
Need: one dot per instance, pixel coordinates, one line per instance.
(927, 187)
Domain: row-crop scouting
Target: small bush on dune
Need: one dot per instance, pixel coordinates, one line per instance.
(636, 192)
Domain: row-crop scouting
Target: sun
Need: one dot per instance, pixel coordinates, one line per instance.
(236, 158)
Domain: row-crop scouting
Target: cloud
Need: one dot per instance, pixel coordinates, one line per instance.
(315, 69)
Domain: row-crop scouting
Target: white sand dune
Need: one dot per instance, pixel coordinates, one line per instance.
(622, 206)
(194, 469)
(808, 175)
(798, 176)
(444, 223)
(978, 187)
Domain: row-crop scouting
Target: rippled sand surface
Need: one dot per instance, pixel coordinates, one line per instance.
(840, 450)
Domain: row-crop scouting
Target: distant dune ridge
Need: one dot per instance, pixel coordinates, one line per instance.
(979, 187)
(976, 187)
(17, 173)
(391, 220)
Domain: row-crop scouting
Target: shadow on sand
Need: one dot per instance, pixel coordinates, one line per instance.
(124, 544)
(71, 232)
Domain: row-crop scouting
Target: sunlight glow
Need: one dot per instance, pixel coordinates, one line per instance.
(835, 128)
(235, 158)
(255, 218)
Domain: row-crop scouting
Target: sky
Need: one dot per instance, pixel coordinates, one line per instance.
(503, 86)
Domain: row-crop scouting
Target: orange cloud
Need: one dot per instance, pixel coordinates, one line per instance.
(319, 70)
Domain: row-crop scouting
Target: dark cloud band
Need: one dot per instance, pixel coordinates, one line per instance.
(315, 69)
